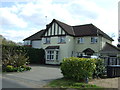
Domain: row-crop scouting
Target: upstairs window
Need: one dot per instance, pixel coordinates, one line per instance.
(62, 39)
(80, 40)
(27, 42)
(94, 39)
(47, 40)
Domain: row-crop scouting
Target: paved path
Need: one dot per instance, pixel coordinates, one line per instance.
(37, 77)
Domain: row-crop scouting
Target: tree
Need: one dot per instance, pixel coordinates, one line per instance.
(4, 41)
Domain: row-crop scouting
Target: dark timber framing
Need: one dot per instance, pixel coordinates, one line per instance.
(54, 28)
(51, 30)
(57, 29)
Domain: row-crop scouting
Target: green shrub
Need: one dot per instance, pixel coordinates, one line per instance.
(77, 68)
(9, 68)
(28, 68)
(35, 55)
(100, 68)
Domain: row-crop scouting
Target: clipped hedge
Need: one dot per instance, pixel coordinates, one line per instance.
(100, 68)
(78, 68)
(35, 55)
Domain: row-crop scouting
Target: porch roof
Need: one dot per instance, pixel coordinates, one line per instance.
(52, 47)
(109, 48)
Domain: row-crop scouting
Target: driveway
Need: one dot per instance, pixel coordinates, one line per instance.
(37, 77)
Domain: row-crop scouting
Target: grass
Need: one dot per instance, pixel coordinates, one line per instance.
(66, 83)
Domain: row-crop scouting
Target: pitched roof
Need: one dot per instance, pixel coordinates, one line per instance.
(75, 31)
(66, 27)
(36, 36)
(109, 48)
(82, 30)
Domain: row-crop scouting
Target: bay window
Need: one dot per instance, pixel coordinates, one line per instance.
(52, 55)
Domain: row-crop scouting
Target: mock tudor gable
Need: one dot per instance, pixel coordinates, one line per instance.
(54, 29)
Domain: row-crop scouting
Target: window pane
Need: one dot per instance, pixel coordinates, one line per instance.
(47, 40)
(61, 39)
(94, 39)
(80, 40)
(56, 55)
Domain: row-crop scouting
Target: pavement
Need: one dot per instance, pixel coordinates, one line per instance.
(39, 76)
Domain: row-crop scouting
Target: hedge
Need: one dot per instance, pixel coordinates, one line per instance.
(100, 68)
(35, 55)
(78, 68)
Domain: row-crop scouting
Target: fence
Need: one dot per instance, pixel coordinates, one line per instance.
(112, 66)
(113, 71)
(111, 61)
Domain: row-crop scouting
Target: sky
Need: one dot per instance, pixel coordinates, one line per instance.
(22, 18)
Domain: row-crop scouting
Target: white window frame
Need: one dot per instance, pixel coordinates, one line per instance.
(94, 39)
(50, 55)
(27, 42)
(80, 40)
(57, 55)
(62, 39)
(47, 40)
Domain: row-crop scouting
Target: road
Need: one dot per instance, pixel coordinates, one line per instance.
(9, 83)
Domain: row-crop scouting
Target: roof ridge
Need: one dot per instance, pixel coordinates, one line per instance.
(72, 30)
(61, 22)
(82, 25)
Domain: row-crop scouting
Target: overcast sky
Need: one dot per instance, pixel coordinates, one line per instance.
(22, 19)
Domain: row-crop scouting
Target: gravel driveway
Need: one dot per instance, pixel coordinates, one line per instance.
(38, 76)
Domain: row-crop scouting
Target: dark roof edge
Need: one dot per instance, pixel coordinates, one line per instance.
(113, 46)
(107, 36)
(63, 28)
(33, 35)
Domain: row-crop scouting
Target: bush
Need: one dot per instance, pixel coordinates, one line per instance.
(28, 68)
(13, 59)
(35, 55)
(100, 68)
(9, 68)
(16, 60)
(77, 68)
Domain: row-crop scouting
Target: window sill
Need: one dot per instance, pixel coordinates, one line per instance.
(62, 43)
(50, 60)
(80, 43)
(46, 43)
(28, 45)
(93, 43)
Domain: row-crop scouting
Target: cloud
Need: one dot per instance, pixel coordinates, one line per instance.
(18, 36)
(10, 19)
(73, 12)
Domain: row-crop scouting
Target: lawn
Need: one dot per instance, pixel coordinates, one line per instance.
(66, 83)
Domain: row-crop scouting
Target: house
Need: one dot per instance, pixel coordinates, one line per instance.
(61, 40)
